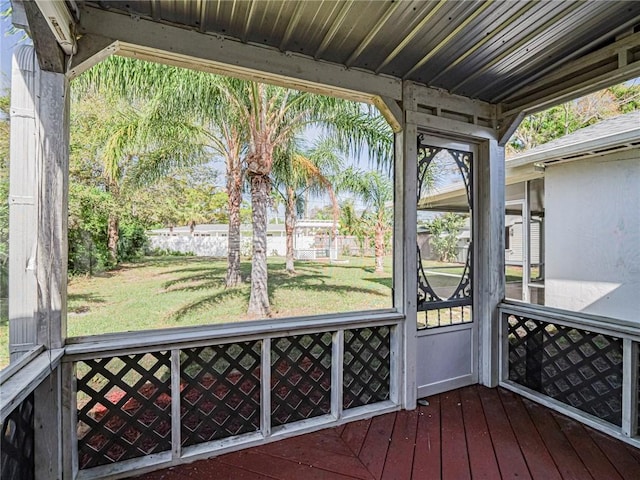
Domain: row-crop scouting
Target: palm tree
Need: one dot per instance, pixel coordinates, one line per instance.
(297, 173)
(195, 95)
(376, 192)
(266, 118)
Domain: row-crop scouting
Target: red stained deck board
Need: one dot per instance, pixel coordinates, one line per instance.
(403, 441)
(623, 460)
(413, 445)
(324, 440)
(426, 457)
(278, 468)
(455, 460)
(354, 434)
(510, 460)
(322, 449)
(482, 458)
(564, 456)
(217, 470)
(539, 461)
(596, 462)
(376, 443)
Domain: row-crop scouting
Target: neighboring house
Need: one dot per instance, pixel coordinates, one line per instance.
(581, 193)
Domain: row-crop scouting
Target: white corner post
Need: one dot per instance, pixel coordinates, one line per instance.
(405, 278)
(39, 163)
(490, 285)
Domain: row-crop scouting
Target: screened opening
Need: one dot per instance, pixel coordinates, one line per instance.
(572, 224)
(197, 199)
(445, 234)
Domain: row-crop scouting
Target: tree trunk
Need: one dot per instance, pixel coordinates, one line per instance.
(234, 190)
(112, 238)
(259, 299)
(289, 227)
(379, 246)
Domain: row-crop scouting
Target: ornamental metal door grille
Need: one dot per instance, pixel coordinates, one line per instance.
(580, 368)
(124, 407)
(445, 272)
(300, 377)
(16, 444)
(367, 366)
(220, 391)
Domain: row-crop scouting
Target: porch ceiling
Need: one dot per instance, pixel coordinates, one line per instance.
(521, 55)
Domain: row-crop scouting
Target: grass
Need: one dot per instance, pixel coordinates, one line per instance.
(163, 292)
(182, 291)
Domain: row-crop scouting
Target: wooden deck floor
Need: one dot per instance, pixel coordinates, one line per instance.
(474, 432)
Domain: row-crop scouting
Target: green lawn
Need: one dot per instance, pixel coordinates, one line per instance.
(161, 292)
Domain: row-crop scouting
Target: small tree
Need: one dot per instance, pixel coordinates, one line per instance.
(444, 231)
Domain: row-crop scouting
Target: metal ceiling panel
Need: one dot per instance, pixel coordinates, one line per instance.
(481, 49)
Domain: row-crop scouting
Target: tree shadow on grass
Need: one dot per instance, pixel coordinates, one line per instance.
(85, 301)
(212, 277)
(387, 282)
(207, 301)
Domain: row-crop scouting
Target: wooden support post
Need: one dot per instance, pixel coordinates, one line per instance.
(69, 421)
(48, 428)
(52, 153)
(38, 236)
(405, 258)
(489, 283)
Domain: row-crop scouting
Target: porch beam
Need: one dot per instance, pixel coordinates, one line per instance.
(92, 49)
(391, 111)
(152, 41)
(615, 63)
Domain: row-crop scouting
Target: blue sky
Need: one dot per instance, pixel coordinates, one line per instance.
(7, 42)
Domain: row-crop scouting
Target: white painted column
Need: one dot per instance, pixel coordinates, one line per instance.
(38, 205)
(23, 184)
(490, 283)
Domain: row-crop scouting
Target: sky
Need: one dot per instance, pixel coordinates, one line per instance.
(7, 42)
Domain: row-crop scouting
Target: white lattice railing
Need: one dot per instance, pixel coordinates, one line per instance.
(146, 401)
(582, 365)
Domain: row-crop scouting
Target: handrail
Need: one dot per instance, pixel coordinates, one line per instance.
(15, 389)
(90, 347)
(596, 323)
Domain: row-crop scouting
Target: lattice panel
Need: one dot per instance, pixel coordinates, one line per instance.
(220, 394)
(16, 444)
(300, 377)
(367, 366)
(124, 408)
(577, 367)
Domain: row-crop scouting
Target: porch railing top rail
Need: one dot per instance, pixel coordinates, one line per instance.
(133, 342)
(18, 387)
(594, 323)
